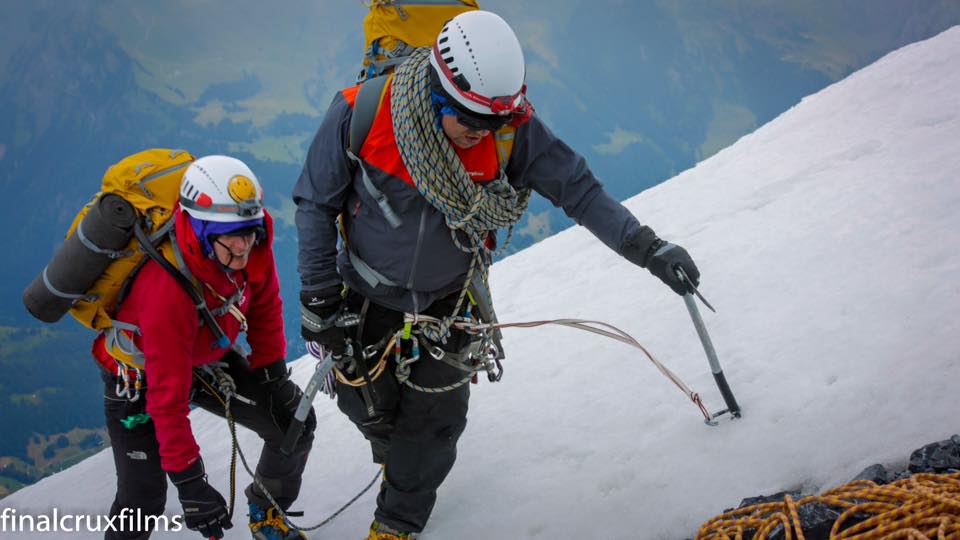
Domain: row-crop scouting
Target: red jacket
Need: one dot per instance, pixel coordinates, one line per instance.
(173, 342)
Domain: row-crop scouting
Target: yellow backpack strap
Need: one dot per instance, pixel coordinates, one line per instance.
(504, 138)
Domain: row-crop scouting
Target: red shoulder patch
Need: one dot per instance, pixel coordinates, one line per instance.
(350, 94)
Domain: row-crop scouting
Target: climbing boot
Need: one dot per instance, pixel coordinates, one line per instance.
(269, 525)
(379, 531)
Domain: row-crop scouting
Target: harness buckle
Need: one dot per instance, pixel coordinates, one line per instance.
(370, 351)
(436, 352)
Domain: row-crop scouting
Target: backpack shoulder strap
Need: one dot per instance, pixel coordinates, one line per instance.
(504, 138)
(365, 109)
(366, 106)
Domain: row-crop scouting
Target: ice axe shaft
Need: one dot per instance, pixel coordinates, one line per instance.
(732, 407)
(306, 401)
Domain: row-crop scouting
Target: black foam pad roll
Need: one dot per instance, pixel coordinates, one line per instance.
(77, 264)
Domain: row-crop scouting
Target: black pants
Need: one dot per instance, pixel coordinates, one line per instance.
(142, 484)
(414, 434)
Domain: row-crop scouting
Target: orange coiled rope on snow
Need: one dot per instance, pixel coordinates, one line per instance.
(919, 507)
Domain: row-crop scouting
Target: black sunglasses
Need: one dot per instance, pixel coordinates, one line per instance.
(481, 122)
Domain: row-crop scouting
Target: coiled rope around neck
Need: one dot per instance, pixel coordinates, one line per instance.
(468, 208)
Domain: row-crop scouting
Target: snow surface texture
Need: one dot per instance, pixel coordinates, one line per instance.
(828, 241)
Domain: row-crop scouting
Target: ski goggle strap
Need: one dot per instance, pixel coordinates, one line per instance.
(246, 209)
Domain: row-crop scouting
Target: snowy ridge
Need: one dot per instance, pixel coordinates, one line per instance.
(829, 241)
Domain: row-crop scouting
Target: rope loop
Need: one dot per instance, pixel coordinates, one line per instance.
(225, 399)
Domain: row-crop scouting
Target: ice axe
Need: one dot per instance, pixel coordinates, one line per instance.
(732, 407)
(306, 400)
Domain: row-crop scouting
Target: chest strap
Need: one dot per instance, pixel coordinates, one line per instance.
(371, 276)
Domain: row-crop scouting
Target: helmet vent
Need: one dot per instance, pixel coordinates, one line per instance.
(448, 59)
(445, 50)
(444, 39)
(462, 82)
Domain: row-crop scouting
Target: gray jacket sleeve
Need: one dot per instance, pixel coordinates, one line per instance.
(545, 163)
(320, 194)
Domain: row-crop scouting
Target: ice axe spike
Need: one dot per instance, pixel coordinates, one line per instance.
(732, 407)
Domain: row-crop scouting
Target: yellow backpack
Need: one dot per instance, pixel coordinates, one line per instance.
(150, 182)
(394, 28)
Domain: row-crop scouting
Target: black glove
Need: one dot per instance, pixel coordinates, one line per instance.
(273, 374)
(285, 394)
(662, 259)
(204, 509)
(318, 319)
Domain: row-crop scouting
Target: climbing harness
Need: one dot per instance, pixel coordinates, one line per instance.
(481, 355)
(919, 507)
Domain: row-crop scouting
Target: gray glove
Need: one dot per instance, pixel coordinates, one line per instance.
(662, 259)
(318, 318)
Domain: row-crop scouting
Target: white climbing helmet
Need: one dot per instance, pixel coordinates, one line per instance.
(479, 62)
(221, 188)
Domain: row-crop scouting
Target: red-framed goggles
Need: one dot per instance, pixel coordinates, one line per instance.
(247, 209)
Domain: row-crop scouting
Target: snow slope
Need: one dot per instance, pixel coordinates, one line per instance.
(829, 241)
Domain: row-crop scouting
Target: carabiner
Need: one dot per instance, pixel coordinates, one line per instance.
(137, 384)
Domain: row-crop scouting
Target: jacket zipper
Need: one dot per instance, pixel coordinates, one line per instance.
(153, 176)
(416, 251)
